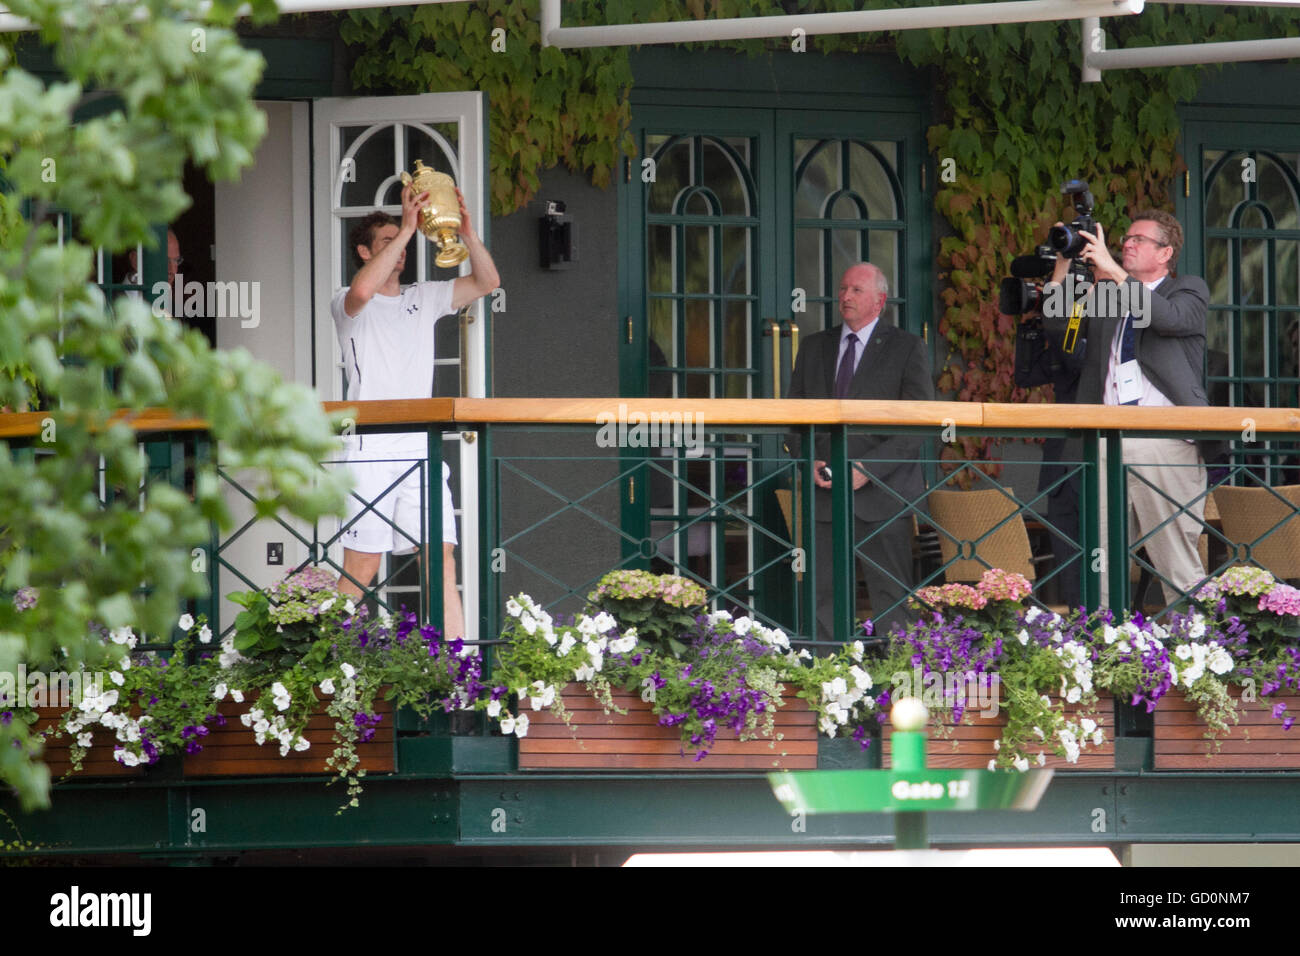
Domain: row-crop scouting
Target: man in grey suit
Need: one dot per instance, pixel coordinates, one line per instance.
(1154, 355)
(867, 359)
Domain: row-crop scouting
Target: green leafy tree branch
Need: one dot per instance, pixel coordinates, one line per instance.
(184, 90)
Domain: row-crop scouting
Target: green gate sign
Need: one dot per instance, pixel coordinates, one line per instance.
(875, 791)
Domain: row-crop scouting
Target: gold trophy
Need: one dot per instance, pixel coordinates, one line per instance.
(440, 216)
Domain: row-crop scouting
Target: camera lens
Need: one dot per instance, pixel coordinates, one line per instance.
(1065, 241)
(1016, 297)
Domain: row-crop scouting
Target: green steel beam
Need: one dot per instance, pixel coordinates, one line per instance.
(207, 819)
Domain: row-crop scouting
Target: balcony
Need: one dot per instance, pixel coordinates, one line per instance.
(554, 496)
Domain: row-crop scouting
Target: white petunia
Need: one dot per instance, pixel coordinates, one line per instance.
(237, 696)
(513, 608)
(350, 608)
(348, 670)
(127, 758)
(507, 725)
(993, 765)
(1088, 725)
(116, 678)
(219, 692)
(83, 739)
(327, 686)
(742, 625)
(1183, 652)
(1073, 695)
(1042, 759)
(566, 645)
(326, 605)
(604, 622)
(1023, 636)
(521, 725)
(205, 634)
(280, 696)
(1021, 764)
(302, 743)
(856, 650)
(185, 623)
(493, 708)
(1219, 661)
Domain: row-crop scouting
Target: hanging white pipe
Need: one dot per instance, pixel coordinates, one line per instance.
(9, 23)
(1094, 40)
(856, 21)
(1189, 54)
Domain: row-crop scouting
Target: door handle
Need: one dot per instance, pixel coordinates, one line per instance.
(776, 328)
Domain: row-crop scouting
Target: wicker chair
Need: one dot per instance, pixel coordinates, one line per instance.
(963, 520)
(1248, 514)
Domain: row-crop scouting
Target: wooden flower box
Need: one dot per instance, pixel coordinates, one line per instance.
(1257, 742)
(635, 741)
(99, 760)
(232, 750)
(969, 745)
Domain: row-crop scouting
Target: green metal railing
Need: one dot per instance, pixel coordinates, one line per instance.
(556, 510)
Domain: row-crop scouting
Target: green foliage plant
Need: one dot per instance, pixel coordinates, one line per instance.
(715, 675)
(183, 88)
(547, 106)
(659, 606)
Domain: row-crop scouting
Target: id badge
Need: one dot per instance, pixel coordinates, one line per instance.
(1128, 381)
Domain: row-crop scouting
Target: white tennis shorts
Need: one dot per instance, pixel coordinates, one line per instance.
(389, 477)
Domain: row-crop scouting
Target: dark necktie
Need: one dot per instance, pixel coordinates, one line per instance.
(844, 377)
(1127, 351)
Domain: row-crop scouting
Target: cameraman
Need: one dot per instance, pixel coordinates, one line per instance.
(1153, 354)
(1042, 359)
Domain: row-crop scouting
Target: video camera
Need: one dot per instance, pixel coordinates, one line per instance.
(1022, 291)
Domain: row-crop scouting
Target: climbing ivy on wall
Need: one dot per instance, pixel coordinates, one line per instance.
(547, 106)
(1017, 122)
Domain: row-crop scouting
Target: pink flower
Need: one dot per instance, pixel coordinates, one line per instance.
(952, 595)
(999, 585)
(1282, 600)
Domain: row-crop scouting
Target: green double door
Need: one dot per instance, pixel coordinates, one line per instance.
(1242, 219)
(735, 227)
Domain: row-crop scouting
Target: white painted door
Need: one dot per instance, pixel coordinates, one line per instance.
(361, 146)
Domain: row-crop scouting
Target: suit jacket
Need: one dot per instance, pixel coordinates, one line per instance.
(895, 365)
(1170, 349)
